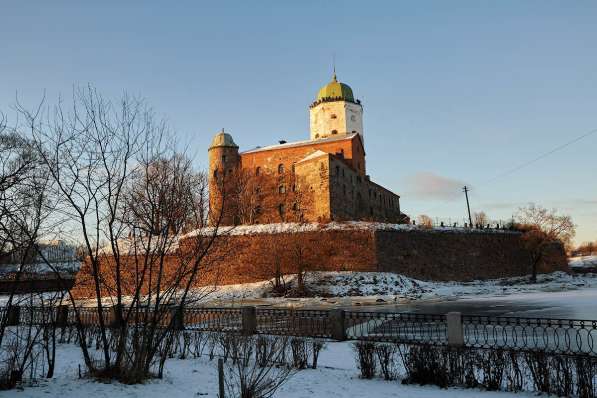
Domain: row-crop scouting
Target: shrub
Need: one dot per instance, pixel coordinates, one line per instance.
(365, 352)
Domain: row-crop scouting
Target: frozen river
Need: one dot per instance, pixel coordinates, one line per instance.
(575, 304)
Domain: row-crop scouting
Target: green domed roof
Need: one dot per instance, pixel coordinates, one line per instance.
(223, 139)
(335, 90)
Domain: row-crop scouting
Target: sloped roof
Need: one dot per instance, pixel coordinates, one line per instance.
(314, 155)
(301, 143)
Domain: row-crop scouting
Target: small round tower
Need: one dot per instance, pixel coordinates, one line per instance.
(224, 160)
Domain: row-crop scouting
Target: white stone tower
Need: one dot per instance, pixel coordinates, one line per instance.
(335, 112)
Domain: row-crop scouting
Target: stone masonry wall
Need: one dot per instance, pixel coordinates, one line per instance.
(458, 256)
(427, 255)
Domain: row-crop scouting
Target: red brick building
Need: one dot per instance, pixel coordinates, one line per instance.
(320, 179)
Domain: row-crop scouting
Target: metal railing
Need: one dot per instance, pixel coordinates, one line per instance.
(565, 336)
(213, 319)
(396, 327)
(553, 335)
(311, 323)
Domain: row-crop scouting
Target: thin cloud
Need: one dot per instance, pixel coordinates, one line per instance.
(426, 185)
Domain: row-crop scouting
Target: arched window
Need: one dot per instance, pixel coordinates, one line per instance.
(334, 131)
(257, 170)
(281, 168)
(295, 206)
(282, 189)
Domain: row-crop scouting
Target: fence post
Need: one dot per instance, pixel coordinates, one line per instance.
(116, 320)
(338, 325)
(13, 316)
(221, 377)
(249, 320)
(62, 316)
(178, 321)
(455, 329)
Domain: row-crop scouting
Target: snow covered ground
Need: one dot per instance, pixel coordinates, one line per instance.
(583, 263)
(365, 288)
(336, 376)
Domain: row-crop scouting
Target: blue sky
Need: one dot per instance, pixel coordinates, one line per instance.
(453, 92)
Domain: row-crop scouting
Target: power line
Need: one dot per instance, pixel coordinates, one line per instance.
(544, 155)
(525, 164)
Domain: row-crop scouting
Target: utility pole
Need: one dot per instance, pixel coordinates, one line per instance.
(470, 219)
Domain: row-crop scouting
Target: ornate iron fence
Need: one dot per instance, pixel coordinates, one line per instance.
(559, 336)
(396, 327)
(554, 335)
(290, 322)
(213, 319)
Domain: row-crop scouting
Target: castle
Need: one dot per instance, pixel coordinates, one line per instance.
(320, 179)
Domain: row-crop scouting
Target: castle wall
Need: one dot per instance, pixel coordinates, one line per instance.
(355, 197)
(442, 255)
(459, 256)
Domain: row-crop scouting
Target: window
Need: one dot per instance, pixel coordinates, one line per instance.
(216, 173)
(354, 131)
(280, 168)
(344, 189)
(316, 135)
(257, 170)
(281, 209)
(282, 189)
(258, 210)
(292, 168)
(333, 116)
(337, 170)
(295, 206)
(334, 131)
(223, 158)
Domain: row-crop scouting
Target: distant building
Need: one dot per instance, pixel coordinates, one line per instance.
(59, 254)
(320, 179)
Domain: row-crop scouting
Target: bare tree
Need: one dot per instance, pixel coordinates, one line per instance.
(543, 228)
(425, 221)
(480, 219)
(130, 198)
